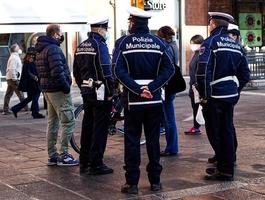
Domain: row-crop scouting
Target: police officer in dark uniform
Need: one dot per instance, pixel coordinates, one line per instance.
(93, 74)
(143, 65)
(222, 73)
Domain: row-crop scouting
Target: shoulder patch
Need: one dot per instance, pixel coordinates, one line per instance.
(202, 50)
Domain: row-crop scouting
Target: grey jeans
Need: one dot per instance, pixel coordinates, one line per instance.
(60, 111)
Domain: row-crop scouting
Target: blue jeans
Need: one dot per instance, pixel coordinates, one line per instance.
(34, 97)
(170, 125)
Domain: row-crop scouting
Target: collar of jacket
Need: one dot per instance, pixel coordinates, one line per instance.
(96, 36)
(15, 53)
(48, 39)
(140, 29)
(217, 30)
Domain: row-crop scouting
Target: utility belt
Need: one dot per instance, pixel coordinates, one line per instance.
(138, 101)
(91, 83)
(97, 85)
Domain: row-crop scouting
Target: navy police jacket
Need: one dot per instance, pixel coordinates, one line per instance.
(141, 59)
(222, 67)
(92, 61)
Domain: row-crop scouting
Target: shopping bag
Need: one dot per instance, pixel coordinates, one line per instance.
(199, 116)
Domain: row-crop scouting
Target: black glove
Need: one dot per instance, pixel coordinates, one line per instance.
(66, 91)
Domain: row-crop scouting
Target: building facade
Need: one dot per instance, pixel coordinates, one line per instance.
(24, 21)
(248, 14)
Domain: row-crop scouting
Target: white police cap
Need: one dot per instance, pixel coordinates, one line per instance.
(232, 27)
(221, 15)
(99, 21)
(140, 13)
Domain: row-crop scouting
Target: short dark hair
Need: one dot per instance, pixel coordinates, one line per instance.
(13, 47)
(52, 29)
(220, 22)
(197, 39)
(166, 32)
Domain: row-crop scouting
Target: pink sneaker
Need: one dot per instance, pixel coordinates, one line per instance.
(193, 131)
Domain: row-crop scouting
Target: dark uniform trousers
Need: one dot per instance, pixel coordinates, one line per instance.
(150, 118)
(221, 133)
(94, 130)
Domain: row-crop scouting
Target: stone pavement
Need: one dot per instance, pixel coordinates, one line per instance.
(24, 174)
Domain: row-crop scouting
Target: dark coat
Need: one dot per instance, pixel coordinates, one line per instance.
(192, 71)
(222, 67)
(51, 65)
(142, 59)
(92, 60)
(29, 79)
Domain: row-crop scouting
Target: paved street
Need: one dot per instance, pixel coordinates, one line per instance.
(24, 174)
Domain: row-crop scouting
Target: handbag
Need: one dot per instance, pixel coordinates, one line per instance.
(177, 83)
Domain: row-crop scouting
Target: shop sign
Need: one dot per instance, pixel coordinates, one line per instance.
(154, 5)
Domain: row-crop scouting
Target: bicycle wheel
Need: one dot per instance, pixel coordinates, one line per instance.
(75, 139)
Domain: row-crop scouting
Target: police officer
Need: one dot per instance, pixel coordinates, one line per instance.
(93, 75)
(143, 65)
(222, 73)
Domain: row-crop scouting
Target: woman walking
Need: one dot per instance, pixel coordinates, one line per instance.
(29, 83)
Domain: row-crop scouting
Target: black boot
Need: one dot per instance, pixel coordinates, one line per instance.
(129, 189)
(38, 116)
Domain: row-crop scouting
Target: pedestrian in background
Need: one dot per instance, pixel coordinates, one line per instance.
(29, 83)
(93, 75)
(13, 72)
(55, 82)
(222, 73)
(172, 148)
(195, 44)
(143, 66)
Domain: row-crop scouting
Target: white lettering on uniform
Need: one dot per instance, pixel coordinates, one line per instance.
(85, 47)
(227, 44)
(227, 39)
(142, 43)
(142, 39)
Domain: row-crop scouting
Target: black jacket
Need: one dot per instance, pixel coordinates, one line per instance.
(29, 79)
(51, 65)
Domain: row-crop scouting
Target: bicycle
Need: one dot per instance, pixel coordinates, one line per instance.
(115, 117)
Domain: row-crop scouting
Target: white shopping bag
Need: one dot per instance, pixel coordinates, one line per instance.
(199, 116)
(100, 92)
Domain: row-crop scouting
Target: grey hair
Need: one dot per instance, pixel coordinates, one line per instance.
(13, 47)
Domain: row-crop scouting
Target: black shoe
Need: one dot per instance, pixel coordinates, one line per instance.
(156, 187)
(129, 189)
(84, 168)
(38, 116)
(211, 170)
(165, 154)
(219, 176)
(14, 113)
(212, 160)
(100, 170)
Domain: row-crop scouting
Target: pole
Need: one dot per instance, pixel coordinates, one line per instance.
(113, 4)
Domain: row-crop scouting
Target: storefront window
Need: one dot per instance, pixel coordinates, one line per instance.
(251, 22)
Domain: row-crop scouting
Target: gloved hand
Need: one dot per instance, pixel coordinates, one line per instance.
(66, 91)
